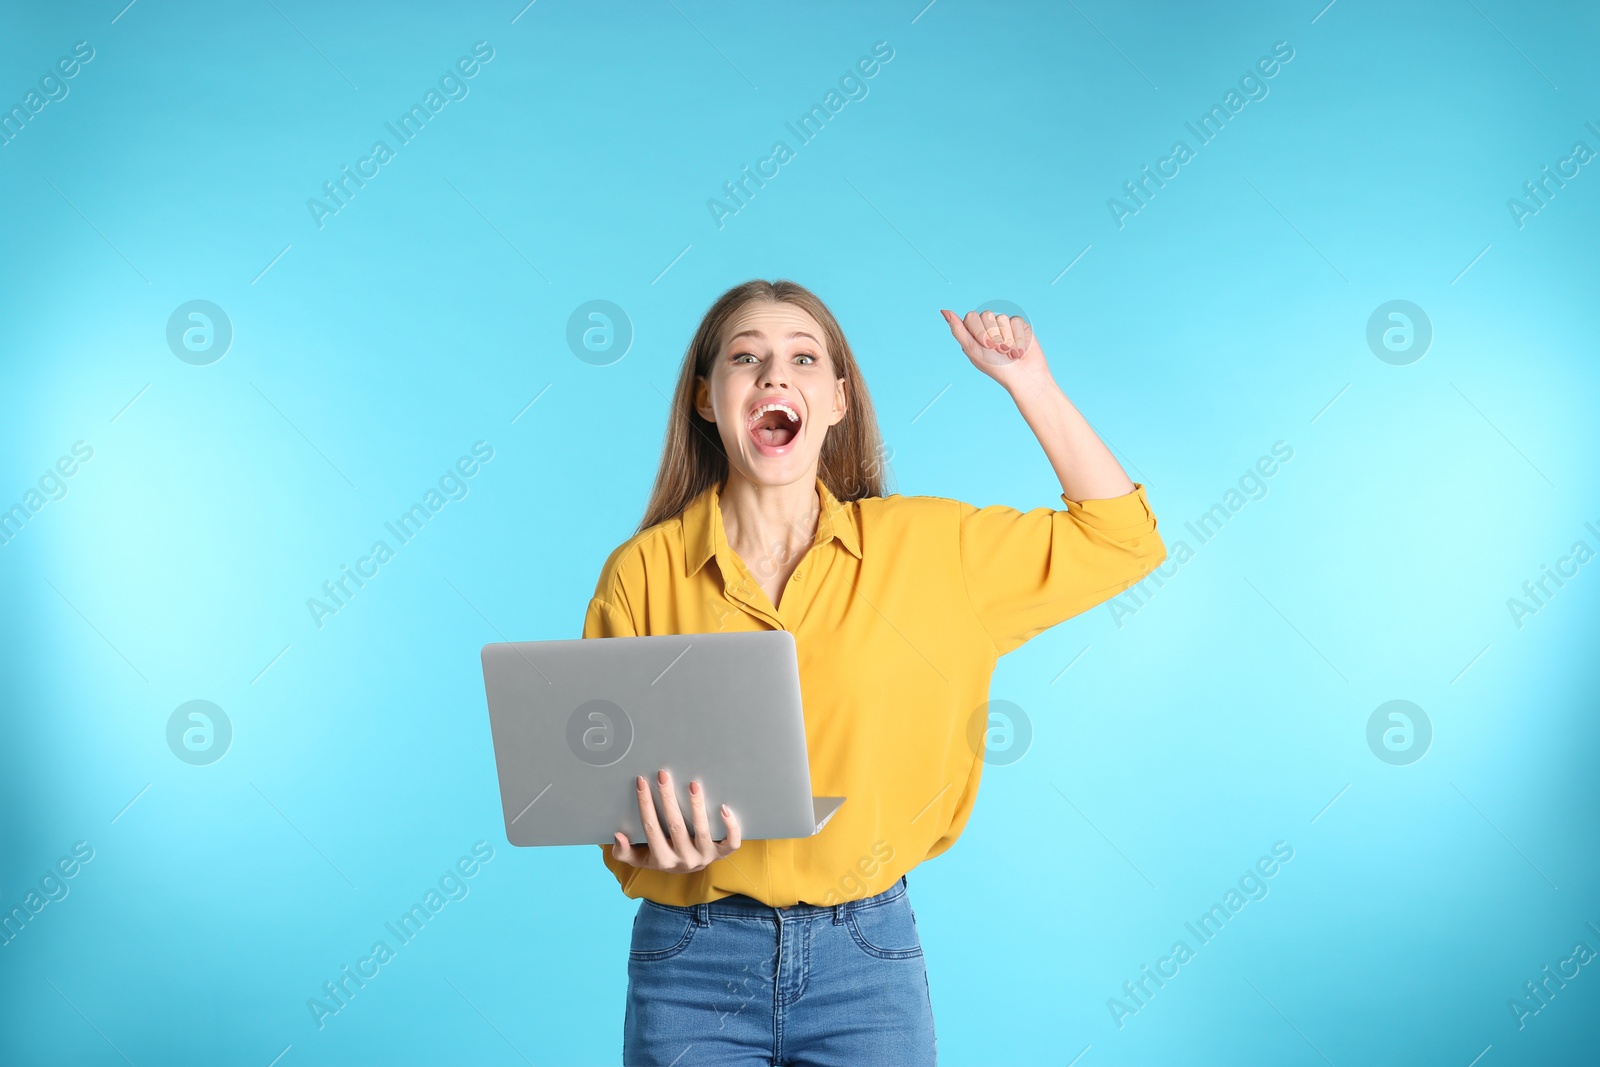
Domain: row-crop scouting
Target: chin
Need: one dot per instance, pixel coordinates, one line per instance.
(778, 470)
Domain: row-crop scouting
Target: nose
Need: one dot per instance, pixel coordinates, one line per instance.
(775, 374)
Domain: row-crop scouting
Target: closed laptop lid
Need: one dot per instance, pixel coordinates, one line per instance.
(575, 720)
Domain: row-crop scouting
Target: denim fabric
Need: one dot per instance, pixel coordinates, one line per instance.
(736, 982)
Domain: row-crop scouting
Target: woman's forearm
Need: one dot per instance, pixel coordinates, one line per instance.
(1006, 350)
(1083, 463)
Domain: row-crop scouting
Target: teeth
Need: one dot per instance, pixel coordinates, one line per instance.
(764, 408)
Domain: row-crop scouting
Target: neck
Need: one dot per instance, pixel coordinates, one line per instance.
(761, 521)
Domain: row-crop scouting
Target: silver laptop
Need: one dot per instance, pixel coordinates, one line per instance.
(575, 721)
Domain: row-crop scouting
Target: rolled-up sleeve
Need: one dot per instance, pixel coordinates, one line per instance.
(1028, 571)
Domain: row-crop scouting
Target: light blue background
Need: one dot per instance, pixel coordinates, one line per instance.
(1228, 314)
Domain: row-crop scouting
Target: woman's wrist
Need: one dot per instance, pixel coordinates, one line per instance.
(1034, 390)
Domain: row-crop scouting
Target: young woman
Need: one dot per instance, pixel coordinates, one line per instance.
(768, 511)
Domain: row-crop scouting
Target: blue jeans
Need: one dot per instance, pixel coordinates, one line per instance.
(736, 982)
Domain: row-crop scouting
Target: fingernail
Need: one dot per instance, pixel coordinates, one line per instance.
(725, 810)
(661, 776)
(694, 787)
(640, 778)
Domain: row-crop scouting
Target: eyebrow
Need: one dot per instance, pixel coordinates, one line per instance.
(758, 333)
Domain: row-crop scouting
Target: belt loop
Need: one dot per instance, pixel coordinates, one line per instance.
(702, 914)
(838, 913)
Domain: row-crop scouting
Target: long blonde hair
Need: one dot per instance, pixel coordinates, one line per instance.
(692, 456)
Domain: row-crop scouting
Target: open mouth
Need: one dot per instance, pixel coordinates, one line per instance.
(774, 425)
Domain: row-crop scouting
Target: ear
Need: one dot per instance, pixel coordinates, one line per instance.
(702, 399)
(840, 402)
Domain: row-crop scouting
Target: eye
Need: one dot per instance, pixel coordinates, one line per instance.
(739, 356)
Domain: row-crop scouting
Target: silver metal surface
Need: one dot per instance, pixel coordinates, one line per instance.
(575, 720)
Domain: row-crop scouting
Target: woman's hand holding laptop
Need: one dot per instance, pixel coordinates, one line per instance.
(675, 850)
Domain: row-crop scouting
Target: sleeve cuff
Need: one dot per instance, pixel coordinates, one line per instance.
(1123, 516)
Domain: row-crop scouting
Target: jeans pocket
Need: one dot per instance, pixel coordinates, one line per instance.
(886, 931)
(660, 931)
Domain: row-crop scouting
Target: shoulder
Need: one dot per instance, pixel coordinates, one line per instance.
(905, 519)
(908, 510)
(630, 563)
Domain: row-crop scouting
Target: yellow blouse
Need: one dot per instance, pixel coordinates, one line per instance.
(896, 653)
